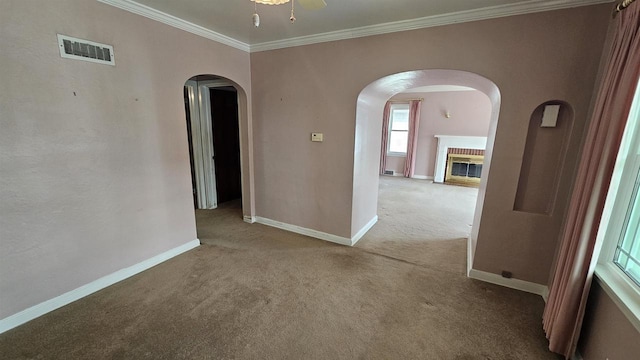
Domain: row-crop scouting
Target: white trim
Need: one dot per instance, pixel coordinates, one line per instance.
(249, 219)
(392, 109)
(315, 233)
(422, 177)
(204, 101)
(35, 311)
(304, 231)
(469, 256)
(202, 139)
(196, 142)
(397, 154)
(364, 230)
(490, 12)
(545, 294)
(517, 284)
(153, 14)
(622, 291)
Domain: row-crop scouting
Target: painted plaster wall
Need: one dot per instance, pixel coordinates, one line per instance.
(532, 59)
(93, 158)
(606, 332)
(470, 114)
(395, 163)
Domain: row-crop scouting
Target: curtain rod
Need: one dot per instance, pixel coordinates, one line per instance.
(623, 5)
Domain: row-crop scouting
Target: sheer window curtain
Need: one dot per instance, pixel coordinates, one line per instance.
(385, 137)
(412, 141)
(578, 251)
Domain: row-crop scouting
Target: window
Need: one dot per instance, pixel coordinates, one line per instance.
(398, 129)
(627, 254)
(618, 268)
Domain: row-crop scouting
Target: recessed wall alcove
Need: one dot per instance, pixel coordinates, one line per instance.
(544, 154)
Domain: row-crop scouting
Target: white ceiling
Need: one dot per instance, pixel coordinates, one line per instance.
(233, 18)
(438, 88)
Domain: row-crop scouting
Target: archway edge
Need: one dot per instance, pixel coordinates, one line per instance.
(368, 132)
(390, 85)
(246, 145)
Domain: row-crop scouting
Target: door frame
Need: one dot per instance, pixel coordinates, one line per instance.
(202, 139)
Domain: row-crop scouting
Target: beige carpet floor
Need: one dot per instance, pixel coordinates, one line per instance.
(254, 292)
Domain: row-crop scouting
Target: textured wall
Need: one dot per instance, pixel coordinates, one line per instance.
(531, 58)
(94, 158)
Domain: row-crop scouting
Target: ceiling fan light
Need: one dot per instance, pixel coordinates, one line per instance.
(271, 2)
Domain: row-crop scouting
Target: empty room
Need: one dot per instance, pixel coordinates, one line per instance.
(319, 179)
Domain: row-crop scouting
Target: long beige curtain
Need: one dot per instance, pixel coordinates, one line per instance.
(578, 251)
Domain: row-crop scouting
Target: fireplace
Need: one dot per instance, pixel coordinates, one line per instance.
(464, 169)
(465, 146)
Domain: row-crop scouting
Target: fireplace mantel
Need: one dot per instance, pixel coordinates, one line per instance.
(447, 141)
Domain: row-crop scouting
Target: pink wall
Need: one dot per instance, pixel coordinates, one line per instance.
(396, 163)
(98, 181)
(94, 158)
(331, 186)
(470, 115)
(606, 332)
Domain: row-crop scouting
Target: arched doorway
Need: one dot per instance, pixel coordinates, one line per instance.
(370, 105)
(219, 148)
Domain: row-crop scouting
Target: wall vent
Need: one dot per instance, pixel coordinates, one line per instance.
(390, 172)
(79, 49)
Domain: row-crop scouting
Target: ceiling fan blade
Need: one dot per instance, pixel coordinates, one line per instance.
(312, 4)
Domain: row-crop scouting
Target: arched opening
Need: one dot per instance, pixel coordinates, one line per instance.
(219, 148)
(545, 151)
(368, 132)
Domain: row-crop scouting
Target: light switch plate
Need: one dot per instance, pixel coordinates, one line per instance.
(316, 137)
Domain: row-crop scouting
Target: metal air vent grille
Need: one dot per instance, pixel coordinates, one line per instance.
(79, 49)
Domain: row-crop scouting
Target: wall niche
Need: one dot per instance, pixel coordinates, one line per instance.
(544, 155)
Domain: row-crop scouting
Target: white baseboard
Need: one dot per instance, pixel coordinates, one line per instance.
(364, 230)
(545, 294)
(35, 311)
(249, 219)
(304, 231)
(517, 284)
(470, 255)
(422, 177)
(318, 234)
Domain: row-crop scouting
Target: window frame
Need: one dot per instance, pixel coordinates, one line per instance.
(397, 106)
(620, 287)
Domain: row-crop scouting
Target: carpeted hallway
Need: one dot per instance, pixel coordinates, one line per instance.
(255, 292)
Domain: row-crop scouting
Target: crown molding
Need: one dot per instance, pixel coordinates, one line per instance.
(153, 14)
(491, 12)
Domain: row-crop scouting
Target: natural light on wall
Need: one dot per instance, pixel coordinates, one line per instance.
(619, 263)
